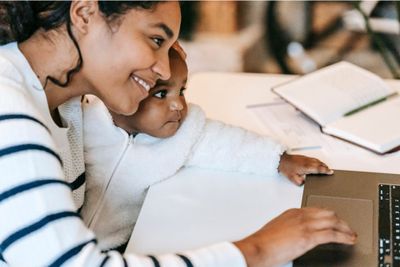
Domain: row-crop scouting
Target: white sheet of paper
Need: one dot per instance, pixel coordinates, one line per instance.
(287, 124)
(294, 129)
(198, 207)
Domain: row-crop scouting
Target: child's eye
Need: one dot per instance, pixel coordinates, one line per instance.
(158, 41)
(182, 92)
(161, 94)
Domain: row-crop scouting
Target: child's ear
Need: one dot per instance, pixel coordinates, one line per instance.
(82, 13)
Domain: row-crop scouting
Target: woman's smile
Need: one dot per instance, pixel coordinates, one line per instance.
(143, 85)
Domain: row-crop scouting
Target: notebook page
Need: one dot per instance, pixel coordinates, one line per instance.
(329, 93)
(376, 128)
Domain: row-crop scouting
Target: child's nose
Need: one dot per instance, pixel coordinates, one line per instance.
(176, 105)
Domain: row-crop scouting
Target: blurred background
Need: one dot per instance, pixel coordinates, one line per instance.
(292, 37)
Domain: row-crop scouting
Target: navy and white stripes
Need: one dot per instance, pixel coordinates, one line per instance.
(29, 186)
(186, 260)
(155, 261)
(39, 182)
(105, 260)
(6, 117)
(26, 147)
(39, 224)
(34, 227)
(27, 168)
(71, 253)
(33, 184)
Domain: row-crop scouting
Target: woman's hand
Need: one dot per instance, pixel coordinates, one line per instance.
(293, 233)
(296, 167)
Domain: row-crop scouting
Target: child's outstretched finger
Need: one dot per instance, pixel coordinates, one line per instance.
(321, 168)
(318, 167)
(298, 178)
(324, 169)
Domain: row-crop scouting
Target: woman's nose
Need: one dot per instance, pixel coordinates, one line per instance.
(161, 67)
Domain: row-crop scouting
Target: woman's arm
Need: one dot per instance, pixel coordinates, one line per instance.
(39, 224)
(39, 218)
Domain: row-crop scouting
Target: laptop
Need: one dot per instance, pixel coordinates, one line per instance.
(370, 203)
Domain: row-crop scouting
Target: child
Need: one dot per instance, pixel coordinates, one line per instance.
(164, 135)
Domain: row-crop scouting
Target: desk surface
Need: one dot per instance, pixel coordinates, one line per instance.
(198, 207)
(225, 97)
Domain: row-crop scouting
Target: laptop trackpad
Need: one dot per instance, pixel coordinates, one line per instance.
(358, 213)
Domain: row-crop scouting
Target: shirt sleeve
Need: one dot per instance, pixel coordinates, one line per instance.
(230, 148)
(222, 254)
(39, 223)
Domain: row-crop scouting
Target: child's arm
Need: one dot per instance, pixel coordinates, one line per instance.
(229, 148)
(296, 167)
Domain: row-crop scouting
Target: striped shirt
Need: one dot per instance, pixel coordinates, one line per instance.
(42, 184)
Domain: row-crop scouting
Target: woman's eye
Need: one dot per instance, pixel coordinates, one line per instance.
(158, 41)
(161, 94)
(182, 92)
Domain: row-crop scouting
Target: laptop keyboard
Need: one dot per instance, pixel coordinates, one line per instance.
(389, 225)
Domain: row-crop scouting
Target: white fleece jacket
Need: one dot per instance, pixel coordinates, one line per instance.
(120, 168)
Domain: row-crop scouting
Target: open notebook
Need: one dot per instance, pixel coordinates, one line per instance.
(350, 103)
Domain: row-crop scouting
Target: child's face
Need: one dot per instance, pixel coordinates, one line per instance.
(163, 111)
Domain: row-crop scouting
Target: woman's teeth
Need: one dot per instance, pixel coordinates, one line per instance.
(145, 85)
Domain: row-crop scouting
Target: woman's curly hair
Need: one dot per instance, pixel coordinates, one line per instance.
(20, 19)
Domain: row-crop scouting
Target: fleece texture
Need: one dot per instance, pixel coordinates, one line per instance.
(120, 167)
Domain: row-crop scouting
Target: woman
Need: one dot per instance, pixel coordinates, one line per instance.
(117, 51)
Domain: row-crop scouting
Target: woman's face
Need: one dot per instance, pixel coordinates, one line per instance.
(164, 110)
(123, 59)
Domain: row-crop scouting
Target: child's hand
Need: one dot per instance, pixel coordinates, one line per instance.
(296, 167)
